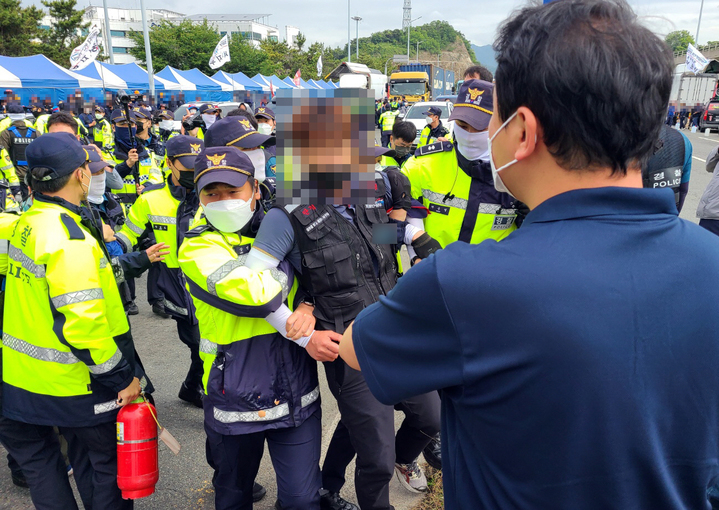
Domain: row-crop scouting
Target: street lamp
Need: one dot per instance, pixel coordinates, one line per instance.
(349, 33)
(357, 19)
(409, 27)
(696, 39)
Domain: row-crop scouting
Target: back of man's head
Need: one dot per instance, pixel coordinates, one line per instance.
(597, 81)
(406, 131)
(478, 73)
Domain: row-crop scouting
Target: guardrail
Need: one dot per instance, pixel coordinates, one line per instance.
(708, 47)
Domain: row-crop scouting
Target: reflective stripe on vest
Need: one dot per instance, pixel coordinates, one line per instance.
(272, 413)
(55, 356)
(461, 203)
(77, 297)
(167, 220)
(221, 272)
(27, 263)
(174, 308)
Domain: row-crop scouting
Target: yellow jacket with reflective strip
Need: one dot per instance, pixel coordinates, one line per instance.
(149, 174)
(7, 226)
(214, 271)
(103, 133)
(41, 123)
(61, 365)
(444, 189)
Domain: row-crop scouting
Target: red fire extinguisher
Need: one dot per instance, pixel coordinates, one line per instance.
(137, 467)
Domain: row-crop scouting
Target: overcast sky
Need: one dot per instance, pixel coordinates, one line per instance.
(326, 21)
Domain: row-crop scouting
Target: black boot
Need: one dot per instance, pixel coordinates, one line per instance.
(258, 492)
(333, 501)
(191, 396)
(159, 309)
(132, 309)
(433, 453)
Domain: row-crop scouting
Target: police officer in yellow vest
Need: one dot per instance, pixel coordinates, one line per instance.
(260, 386)
(61, 364)
(434, 128)
(386, 121)
(168, 209)
(102, 133)
(129, 151)
(455, 183)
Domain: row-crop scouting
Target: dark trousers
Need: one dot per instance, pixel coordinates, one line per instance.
(93, 456)
(711, 225)
(154, 294)
(367, 426)
(190, 336)
(422, 416)
(295, 454)
(36, 450)
(385, 138)
(131, 285)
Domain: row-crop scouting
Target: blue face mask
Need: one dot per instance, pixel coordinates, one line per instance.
(123, 139)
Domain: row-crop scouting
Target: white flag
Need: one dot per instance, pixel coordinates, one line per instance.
(87, 52)
(696, 62)
(221, 55)
(319, 67)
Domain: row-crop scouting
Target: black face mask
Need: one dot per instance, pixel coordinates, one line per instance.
(401, 151)
(187, 180)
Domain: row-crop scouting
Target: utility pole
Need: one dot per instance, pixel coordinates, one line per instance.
(148, 52)
(701, 9)
(108, 33)
(409, 27)
(349, 33)
(418, 51)
(357, 19)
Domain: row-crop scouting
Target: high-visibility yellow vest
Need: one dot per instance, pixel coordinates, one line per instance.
(149, 174)
(444, 189)
(61, 365)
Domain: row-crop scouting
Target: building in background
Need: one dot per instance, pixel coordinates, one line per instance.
(252, 27)
(122, 22)
(291, 34)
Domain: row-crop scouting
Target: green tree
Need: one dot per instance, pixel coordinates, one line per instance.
(245, 58)
(300, 41)
(65, 33)
(679, 40)
(183, 45)
(18, 26)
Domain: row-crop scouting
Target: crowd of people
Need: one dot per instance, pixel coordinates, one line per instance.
(544, 347)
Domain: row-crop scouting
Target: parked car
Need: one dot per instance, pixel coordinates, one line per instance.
(416, 116)
(452, 98)
(710, 117)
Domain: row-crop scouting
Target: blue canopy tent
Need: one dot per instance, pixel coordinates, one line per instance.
(196, 86)
(309, 84)
(37, 78)
(321, 84)
(279, 84)
(243, 89)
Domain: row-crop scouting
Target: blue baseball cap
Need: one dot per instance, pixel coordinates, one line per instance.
(142, 113)
(474, 104)
(433, 111)
(60, 153)
(235, 131)
(97, 163)
(226, 165)
(15, 108)
(265, 112)
(118, 115)
(184, 148)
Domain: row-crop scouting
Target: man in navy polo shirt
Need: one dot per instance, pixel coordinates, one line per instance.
(577, 360)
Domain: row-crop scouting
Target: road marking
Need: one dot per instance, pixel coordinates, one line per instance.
(700, 159)
(710, 139)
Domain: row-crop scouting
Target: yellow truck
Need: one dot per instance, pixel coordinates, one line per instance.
(414, 86)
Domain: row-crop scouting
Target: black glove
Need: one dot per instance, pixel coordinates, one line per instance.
(425, 245)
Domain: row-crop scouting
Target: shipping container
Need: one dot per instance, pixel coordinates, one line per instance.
(449, 82)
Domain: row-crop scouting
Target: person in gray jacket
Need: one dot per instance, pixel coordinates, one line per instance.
(708, 210)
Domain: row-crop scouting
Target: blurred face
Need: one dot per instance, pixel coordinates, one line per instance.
(219, 192)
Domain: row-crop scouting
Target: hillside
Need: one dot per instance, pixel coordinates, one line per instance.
(439, 43)
(485, 55)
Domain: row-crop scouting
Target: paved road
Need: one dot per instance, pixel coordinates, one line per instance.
(185, 480)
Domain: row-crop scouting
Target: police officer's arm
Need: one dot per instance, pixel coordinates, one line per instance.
(135, 223)
(80, 315)
(215, 277)
(686, 173)
(6, 166)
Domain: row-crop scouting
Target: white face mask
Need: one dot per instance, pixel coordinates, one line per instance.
(167, 125)
(99, 116)
(473, 146)
(378, 167)
(257, 157)
(229, 215)
(264, 128)
(208, 119)
(97, 188)
(428, 120)
(498, 183)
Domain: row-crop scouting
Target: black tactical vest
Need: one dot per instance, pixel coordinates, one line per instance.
(664, 169)
(338, 261)
(19, 146)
